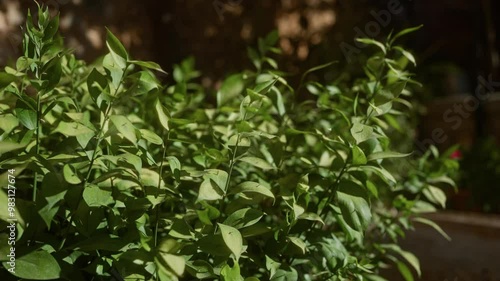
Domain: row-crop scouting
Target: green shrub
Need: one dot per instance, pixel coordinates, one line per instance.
(118, 176)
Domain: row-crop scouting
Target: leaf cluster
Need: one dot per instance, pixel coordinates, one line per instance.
(121, 176)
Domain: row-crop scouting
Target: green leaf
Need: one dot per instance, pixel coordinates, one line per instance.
(151, 178)
(252, 187)
(131, 161)
(52, 73)
(404, 32)
(278, 102)
(255, 230)
(442, 179)
(229, 273)
(220, 177)
(52, 28)
(6, 79)
(372, 188)
(396, 89)
(96, 83)
(115, 46)
(285, 275)
(37, 265)
(311, 217)
(405, 271)
(180, 229)
(265, 86)
(144, 82)
(352, 234)
(272, 266)
(94, 196)
(208, 214)
(151, 137)
(299, 243)
(358, 156)
(435, 195)
(175, 263)
(372, 277)
(361, 132)
(409, 257)
(175, 166)
(243, 218)
(26, 115)
(257, 162)
(200, 269)
(53, 191)
(316, 68)
(254, 57)
(7, 146)
(353, 203)
(232, 239)
(125, 127)
(272, 38)
(407, 55)
(5, 214)
(8, 122)
(386, 154)
(433, 225)
(381, 172)
(334, 250)
(214, 185)
(210, 191)
(149, 65)
(231, 88)
(162, 115)
(71, 175)
(73, 129)
(369, 41)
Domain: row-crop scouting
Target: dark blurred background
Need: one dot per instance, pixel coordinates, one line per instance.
(457, 52)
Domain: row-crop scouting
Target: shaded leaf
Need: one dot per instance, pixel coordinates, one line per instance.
(231, 88)
(353, 202)
(252, 187)
(115, 46)
(361, 132)
(232, 238)
(386, 154)
(433, 225)
(37, 265)
(257, 162)
(243, 218)
(125, 127)
(94, 196)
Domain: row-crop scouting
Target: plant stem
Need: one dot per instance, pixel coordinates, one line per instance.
(333, 189)
(375, 87)
(160, 172)
(37, 145)
(94, 155)
(331, 195)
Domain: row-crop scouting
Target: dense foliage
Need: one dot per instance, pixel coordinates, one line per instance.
(118, 176)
